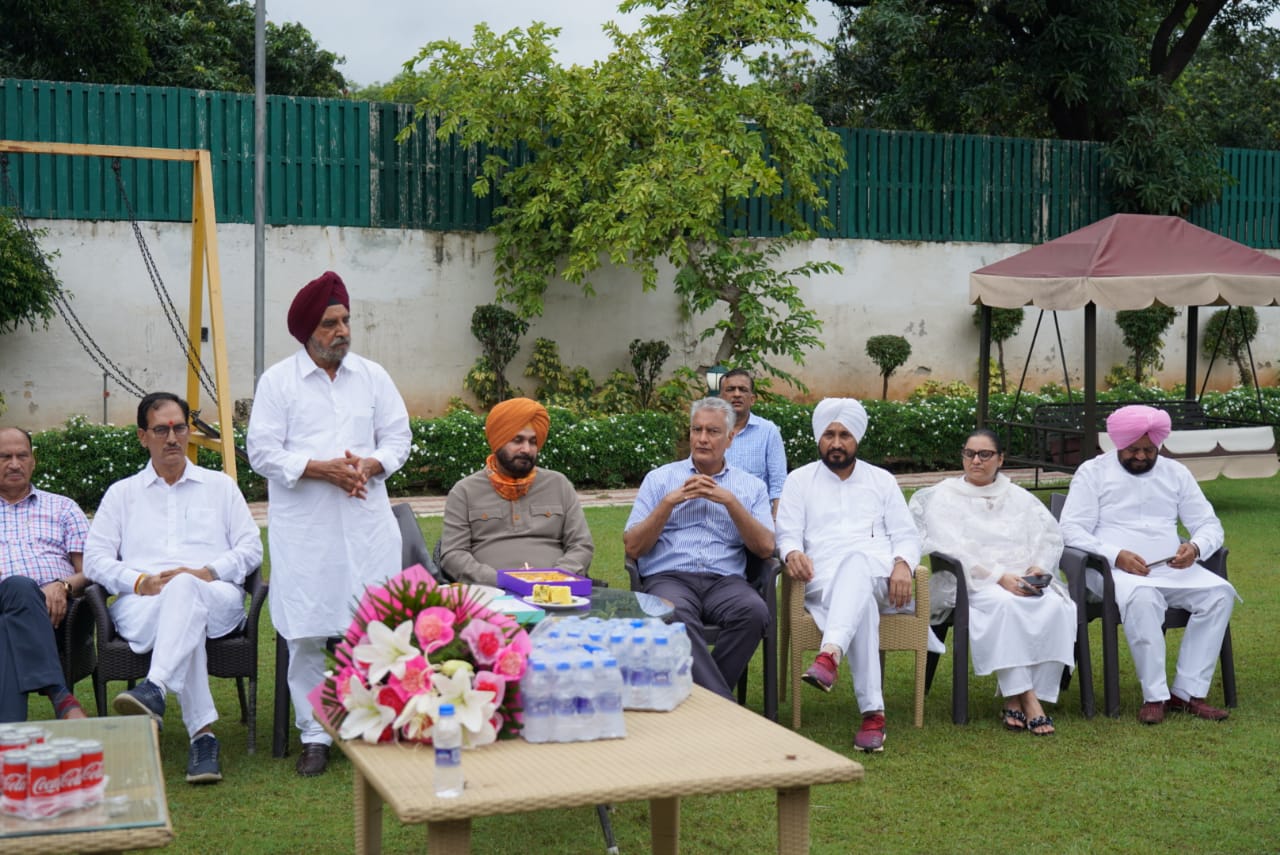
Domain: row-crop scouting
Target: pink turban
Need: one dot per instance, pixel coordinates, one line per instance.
(309, 305)
(1129, 424)
(510, 417)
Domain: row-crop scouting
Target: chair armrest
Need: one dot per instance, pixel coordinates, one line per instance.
(922, 591)
(633, 573)
(1217, 562)
(792, 605)
(257, 590)
(96, 595)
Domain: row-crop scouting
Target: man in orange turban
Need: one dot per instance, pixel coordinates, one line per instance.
(512, 513)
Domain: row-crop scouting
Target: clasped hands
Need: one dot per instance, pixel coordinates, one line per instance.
(152, 584)
(700, 487)
(1132, 562)
(349, 473)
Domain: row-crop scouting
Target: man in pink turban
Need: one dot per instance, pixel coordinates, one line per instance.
(512, 512)
(327, 429)
(1125, 506)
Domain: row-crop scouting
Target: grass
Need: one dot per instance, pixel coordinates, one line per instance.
(1101, 785)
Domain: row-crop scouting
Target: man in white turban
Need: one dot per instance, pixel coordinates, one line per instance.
(1125, 506)
(845, 532)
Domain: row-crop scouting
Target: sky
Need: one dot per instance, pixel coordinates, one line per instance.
(377, 37)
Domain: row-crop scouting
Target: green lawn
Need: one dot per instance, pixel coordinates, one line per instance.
(1106, 785)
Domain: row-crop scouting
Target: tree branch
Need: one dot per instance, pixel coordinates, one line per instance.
(1168, 61)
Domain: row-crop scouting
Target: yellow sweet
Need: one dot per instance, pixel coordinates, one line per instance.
(553, 594)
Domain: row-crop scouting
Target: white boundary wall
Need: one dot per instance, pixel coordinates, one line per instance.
(413, 293)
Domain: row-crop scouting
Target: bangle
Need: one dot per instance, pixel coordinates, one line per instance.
(137, 583)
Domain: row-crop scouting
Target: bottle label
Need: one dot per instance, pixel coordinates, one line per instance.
(448, 756)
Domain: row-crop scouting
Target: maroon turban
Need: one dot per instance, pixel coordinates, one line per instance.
(309, 306)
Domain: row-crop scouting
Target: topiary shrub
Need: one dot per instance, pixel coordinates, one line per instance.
(889, 353)
(1229, 332)
(1144, 331)
(498, 331)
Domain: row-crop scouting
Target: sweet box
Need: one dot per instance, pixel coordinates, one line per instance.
(521, 581)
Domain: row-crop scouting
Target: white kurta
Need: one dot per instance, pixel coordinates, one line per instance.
(993, 530)
(326, 546)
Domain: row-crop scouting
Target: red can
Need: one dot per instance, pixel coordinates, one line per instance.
(69, 767)
(12, 740)
(14, 771)
(44, 784)
(91, 773)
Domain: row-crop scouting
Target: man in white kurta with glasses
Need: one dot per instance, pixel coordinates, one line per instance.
(1126, 506)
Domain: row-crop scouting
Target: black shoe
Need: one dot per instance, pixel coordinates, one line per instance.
(313, 760)
(202, 761)
(146, 698)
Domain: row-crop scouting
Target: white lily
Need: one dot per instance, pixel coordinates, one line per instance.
(386, 650)
(418, 717)
(472, 707)
(366, 718)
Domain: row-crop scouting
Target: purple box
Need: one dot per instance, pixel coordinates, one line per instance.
(521, 582)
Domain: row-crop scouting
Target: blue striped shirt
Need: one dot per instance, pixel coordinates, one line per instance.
(758, 448)
(37, 534)
(699, 536)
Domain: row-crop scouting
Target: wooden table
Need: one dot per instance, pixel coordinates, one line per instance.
(135, 814)
(706, 745)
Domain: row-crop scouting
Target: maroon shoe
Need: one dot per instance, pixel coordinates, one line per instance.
(870, 737)
(822, 673)
(1197, 707)
(1152, 712)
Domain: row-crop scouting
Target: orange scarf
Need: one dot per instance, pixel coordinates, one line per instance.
(506, 487)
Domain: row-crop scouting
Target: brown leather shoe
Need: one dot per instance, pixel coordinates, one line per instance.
(1152, 712)
(313, 760)
(1197, 707)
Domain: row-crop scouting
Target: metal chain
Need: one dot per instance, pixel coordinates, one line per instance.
(179, 329)
(60, 301)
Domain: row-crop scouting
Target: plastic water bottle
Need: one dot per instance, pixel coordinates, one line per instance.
(536, 692)
(639, 674)
(446, 736)
(662, 664)
(586, 725)
(682, 681)
(612, 724)
(564, 708)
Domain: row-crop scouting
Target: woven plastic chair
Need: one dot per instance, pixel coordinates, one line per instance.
(76, 651)
(799, 633)
(232, 655)
(413, 546)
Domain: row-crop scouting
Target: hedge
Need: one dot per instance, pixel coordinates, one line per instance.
(83, 459)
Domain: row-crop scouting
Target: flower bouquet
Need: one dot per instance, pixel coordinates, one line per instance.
(415, 644)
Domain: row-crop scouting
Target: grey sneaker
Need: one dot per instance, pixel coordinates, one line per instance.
(202, 761)
(143, 699)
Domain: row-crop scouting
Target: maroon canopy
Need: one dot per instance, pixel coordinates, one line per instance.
(1129, 261)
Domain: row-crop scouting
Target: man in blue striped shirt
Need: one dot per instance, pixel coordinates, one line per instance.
(757, 443)
(689, 532)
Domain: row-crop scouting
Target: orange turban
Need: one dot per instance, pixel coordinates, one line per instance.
(309, 305)
(509, 418)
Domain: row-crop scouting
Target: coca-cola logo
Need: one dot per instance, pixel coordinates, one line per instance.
(45, 786)
(92, 771)
(71, 778)
(15, 782)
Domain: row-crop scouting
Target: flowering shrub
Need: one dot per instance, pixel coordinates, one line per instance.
(414, 645)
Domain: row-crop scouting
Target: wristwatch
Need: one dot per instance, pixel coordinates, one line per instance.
(67, 586)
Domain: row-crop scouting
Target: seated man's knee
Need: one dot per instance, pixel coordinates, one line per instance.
(181, 586)
(15, 589)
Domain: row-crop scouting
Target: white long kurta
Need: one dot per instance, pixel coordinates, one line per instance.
(992, 530)
(326, 546)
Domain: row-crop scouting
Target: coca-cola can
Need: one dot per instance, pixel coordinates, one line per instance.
(44, 783)
(69, 766)
(34, 735)
(13, 768)
(11, 739)
(91, 773)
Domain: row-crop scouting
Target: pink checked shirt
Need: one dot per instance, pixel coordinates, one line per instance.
(37, 534)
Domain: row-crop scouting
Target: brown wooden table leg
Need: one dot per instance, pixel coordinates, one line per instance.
(450, 837)
(793, 821)
(664, 826)
(368, 816)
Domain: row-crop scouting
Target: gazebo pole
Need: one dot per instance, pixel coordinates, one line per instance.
(1089, 442)
(1192, 346)
(984, 367)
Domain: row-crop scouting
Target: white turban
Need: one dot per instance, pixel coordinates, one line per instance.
(846, 411)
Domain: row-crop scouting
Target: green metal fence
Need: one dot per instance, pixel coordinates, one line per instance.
(336, 162)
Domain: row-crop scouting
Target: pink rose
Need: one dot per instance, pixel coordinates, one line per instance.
(487, 681)
(416, 679)
(510, 662)
(484, 639)
(434, 628)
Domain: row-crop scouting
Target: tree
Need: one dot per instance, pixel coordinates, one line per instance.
(635, 159)
(1143, 331)
(889, 353)
(1229, 332)
(1005, 324)
(201, 44)
(766, 317)
(498, 331)
(28, 288)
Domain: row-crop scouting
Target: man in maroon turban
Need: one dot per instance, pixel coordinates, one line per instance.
(512, 513)
(1125, 506)
(327, 429)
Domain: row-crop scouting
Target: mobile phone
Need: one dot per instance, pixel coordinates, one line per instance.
(1038, 580)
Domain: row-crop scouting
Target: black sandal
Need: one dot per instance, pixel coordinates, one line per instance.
(1016, 715)
(1041, 721)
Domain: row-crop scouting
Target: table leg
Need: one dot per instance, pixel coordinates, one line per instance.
(664, 826)
(449, 837)
(793, 821)
(368, 816)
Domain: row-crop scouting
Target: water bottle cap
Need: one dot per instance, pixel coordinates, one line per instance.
(661, 639)
(611, 662)
(638, 639)
(539, 666)
(446, 710)
(562, 666)
(586, 663)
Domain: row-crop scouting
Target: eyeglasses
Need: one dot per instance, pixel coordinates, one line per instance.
(984, 455)
(162, 431)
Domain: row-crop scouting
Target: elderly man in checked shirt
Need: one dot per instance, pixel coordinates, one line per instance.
(41, 546)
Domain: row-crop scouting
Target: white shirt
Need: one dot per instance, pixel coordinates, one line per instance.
(145, 525)
(827, 518)
(326, 546)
